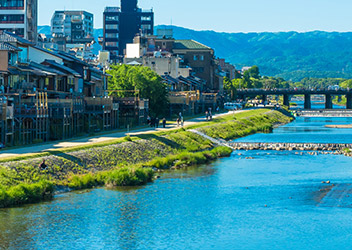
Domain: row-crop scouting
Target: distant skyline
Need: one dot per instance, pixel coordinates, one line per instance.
(226, 15)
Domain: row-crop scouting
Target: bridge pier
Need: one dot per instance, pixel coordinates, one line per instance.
(349, 101)
(307, 101)
(287, 100)
(328, 101)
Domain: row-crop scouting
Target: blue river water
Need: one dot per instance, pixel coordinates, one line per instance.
(251, 200)
(307, 129)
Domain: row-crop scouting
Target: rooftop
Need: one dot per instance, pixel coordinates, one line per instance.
(73, 12)
(190, 44)
(112, 9)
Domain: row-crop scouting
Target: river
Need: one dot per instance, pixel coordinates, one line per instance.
(274, 201)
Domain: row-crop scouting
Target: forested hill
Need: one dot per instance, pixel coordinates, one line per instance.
(290, 55)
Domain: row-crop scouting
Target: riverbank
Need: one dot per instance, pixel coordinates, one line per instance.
(130, 162)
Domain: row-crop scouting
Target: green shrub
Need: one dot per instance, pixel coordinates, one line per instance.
(4, 198)
(26, 193)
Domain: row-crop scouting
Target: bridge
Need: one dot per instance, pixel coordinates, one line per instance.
(278, 146)
(287, 93)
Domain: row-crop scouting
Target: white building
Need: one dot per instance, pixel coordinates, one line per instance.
(20, 17)
(74, 25)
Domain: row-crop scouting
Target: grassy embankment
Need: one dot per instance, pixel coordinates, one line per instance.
(232, 129)
(127, 162)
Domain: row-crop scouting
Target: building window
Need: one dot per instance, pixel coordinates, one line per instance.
(111, 44)
(112, 35)
(195, 58)
(111, 18)
(11, 4)
(111, 26)
(146, 18)
(146, 26)
(201, 58)
(11, 18)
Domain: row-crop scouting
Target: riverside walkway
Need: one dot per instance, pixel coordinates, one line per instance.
(91, 140)
(288, 146)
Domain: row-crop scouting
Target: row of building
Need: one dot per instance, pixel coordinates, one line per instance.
(54, 87)
(46, 95)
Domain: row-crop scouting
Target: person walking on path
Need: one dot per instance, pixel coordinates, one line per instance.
(164, 122)
(157, 122)
(178, 121)
(206, 115)
(149, 120)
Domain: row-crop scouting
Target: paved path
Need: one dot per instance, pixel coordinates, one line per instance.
(93, 139)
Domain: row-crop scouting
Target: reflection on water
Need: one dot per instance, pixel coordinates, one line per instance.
(275, 200)
(315, 105)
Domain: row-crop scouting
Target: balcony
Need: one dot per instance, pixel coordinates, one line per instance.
(12, 22)
(11, 7)
(99, 104)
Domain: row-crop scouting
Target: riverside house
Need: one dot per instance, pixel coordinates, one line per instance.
(47, 95)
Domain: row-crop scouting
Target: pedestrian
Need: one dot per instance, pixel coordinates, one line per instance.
(157, 122)
(164, 122)
(206, 115)
(43, 166)
(178, 121)
(148, 120)
(218, 109)
(181, 121)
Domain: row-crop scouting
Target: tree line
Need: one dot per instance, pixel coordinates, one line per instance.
(251, 78)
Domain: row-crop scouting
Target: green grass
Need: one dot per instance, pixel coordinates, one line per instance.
(127, 161)
(26, 193)
(118, 177)
(261, 121)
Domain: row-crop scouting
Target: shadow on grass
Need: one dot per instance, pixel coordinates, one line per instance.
(164, 140)
(66, 156)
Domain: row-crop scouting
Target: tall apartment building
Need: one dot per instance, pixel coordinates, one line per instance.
(20, 17)
(122, 24)
(75, 26)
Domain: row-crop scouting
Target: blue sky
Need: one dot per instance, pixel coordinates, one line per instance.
(227, 15)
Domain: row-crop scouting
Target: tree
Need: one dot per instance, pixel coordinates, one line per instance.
(247, 83)
(149, 84)
(254, 72)
(346, 84)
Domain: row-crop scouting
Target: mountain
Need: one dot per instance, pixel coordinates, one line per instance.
(45, 29)
(290, 55)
